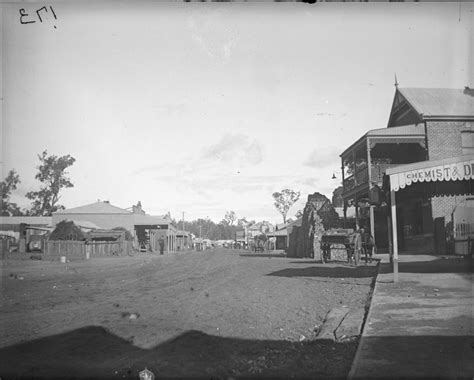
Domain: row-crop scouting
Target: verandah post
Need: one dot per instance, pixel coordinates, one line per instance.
(394, 234)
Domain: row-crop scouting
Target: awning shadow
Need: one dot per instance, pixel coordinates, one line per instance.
(416, 357)
(461, 265)
(326, 271)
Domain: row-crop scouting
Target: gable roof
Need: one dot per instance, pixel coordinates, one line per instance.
(447, 102)
(431, 103)
(95, 208)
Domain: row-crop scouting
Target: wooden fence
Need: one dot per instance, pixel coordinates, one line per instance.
(79, 249)
(463, 230)
(464, 238)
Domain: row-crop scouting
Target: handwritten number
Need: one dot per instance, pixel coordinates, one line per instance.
(23, 14)
(38, 13)
(52, 10)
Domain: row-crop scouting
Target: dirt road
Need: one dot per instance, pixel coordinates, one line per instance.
(212, 313)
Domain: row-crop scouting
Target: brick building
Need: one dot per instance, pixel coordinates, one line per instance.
(426, 129)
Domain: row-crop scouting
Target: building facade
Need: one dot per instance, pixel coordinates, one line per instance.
(146, 229)
(424, 125)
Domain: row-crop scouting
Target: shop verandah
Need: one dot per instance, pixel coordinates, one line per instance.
(364, 164)
(424, 197)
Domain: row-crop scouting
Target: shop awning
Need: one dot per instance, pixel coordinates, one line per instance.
(437, 177)
(450, 169)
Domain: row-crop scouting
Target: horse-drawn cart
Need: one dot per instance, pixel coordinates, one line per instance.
(340, 239)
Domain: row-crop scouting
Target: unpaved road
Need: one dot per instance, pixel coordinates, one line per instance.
(214, 313)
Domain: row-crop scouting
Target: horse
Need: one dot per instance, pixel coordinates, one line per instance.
(260, 241)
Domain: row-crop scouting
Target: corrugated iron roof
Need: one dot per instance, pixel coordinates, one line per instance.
(95, 208)
(412, 130)
(139, 219)
(446, 102)
(33, 220)
(405, 130)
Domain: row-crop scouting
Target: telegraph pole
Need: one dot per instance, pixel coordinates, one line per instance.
(183, 230)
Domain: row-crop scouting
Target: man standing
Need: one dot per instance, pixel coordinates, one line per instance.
(368, 245)
(358, 245)
(161, 242)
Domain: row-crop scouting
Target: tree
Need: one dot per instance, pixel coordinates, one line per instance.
(230, 217)
(242, 222)
(8, 185)
(52, 174)
(284, 200)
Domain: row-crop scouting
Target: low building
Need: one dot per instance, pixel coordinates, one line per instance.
(184, 240)
(281, 237)
(16, 232)
(146, 229)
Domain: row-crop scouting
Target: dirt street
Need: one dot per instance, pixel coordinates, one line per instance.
(217, 313)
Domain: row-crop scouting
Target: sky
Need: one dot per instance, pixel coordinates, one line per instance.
(203, 108)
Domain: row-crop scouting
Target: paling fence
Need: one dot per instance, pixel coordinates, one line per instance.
(464, 238)
(79, 249)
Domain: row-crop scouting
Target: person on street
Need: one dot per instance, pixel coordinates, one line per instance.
(358, 245)
(368, 245)
(161, 243)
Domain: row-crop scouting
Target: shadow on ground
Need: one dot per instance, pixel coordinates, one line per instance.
(327, 271)
(94, 352)
(262, 255)
(451, 265)
(430, 357)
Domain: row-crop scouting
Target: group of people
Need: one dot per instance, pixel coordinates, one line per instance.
(364, 244)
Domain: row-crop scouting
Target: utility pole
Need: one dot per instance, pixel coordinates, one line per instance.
(183, 230)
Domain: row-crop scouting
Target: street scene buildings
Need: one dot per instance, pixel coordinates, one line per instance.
(226, 193)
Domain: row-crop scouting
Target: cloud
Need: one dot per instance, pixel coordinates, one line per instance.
(323, 158)
(240, 184)
(333, 115)
(309, 182)
(228, 155)
(237, 149)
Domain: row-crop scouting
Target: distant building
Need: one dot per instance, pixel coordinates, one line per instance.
(258, 228)
(147, 229)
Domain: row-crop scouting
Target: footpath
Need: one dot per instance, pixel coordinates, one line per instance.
(422, 326)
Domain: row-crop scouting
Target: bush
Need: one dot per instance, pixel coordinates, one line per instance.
(128, 234)
(67, 230)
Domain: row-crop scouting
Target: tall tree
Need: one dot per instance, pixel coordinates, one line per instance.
(243, 222)
(7, 186)
(52, 174)
(230, 217)
(284, 200)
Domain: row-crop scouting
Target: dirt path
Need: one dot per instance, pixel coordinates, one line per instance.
(223, 300)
